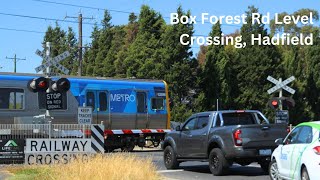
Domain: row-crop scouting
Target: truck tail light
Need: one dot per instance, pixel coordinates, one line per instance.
(237, 139)
(317, 150)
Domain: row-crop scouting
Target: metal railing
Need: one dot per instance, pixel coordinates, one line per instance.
(23, 131)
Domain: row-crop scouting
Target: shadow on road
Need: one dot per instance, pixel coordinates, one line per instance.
(147, 150)
(233, 171)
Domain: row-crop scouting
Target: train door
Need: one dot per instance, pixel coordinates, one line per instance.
(142, 110)
(99, 101)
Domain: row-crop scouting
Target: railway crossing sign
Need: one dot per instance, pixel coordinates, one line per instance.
(52, 61)
(282, 116)
(54, 100)
(279, 85)
(84, 115)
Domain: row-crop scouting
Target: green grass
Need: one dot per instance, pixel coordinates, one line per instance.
(28, 173)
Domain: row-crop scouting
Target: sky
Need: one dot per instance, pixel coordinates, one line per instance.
(15, 40)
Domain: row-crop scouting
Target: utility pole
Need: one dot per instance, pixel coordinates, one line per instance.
(15, 59)
(280, 96)
(47, 115)
(80, 18)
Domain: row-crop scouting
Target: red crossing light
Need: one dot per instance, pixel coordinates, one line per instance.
(274, 103)
(38, 84)
(42, 84)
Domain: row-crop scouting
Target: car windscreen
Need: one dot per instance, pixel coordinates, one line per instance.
(242, 118)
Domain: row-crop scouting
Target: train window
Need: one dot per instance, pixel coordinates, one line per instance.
(157, 103)
(103, 101)
(11, 98)
(90, 100)
(42, 100)
(141, 102)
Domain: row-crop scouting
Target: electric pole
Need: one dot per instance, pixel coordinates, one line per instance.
(80, 18)
(15, 60)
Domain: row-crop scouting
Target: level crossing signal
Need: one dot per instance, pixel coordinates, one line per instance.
(61, 85)
(287, 102)
(41, 84)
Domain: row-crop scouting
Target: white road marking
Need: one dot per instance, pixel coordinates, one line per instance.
(167, 171)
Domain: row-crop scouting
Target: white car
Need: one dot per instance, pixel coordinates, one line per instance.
(298, 155)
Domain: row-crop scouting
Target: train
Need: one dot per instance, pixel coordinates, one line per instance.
(134, 112)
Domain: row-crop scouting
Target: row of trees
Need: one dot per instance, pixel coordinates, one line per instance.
(149, 48)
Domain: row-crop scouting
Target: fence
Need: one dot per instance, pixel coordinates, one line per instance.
(23, 131)
(13, 137)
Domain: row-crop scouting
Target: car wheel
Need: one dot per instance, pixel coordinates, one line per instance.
(217, 162)
(305, 174)
(273, 170)
(170, 158)
(265, 166)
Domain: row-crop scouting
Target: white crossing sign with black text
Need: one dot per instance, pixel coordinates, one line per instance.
(54, 101)
(84, 115)
(281, 85)
(52, 61)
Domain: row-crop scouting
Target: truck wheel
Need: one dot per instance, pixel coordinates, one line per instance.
(217, 162)
(170, 158)
(265, 166)
(273, 170)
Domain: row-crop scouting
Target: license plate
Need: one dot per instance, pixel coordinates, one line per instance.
(265, 151)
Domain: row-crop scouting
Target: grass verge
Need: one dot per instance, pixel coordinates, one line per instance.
(111, 167)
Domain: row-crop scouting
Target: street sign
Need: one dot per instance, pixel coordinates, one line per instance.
(84, 115)
(281, 85)
(53, 100)
(11, 150)
(282, 116)
(53, 61)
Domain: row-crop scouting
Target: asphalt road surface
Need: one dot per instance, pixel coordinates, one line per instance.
(200, 170)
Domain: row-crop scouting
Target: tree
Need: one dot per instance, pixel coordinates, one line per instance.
(301, 61)
(62, 41)
(254, 65)
(144, 57)
(104, 45)
(211, 82)
(179, 68)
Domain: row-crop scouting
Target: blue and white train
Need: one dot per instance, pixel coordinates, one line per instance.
(132, 110)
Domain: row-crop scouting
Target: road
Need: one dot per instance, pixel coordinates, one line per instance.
(200, 170)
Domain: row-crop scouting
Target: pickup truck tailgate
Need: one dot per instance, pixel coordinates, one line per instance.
(261, 135)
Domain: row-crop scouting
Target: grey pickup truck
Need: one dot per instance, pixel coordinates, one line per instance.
(222, 138)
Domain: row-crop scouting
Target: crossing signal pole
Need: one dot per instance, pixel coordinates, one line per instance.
(80, 18)
(15, 60)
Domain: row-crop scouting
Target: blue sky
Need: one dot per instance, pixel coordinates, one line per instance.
(24, 44)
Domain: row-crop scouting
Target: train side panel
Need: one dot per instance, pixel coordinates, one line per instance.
(120, 104)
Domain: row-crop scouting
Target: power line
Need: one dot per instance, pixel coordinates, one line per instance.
(21, 30)
(84, 7)
(41, 18)
(112, 10)
(28, 31)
